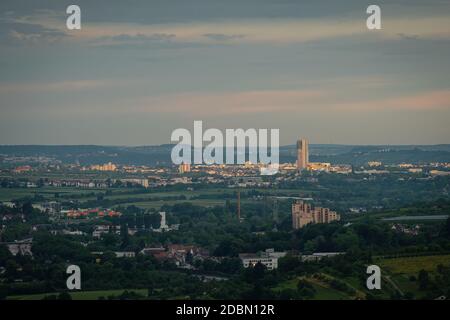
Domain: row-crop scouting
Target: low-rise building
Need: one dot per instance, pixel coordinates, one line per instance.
(125, 254)
(319, 166)
(268, 258)
(118, 254)
(102, 229)
(316, 256)
(439, 173)
(22, 247)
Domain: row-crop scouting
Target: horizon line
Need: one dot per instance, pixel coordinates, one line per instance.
(169, 144)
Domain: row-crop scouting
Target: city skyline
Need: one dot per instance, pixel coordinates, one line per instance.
(132, 75)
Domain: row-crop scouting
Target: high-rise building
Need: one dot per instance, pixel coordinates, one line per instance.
(302, 154)
(303, 214)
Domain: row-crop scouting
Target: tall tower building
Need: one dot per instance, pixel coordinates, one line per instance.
(163, 224)
(302, 154)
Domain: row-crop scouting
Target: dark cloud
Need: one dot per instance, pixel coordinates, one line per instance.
(174, 11)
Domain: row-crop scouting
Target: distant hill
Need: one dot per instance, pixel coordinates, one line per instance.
(154, 155)
(358, 155)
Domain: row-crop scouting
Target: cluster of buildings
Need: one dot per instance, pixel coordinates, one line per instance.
(374, 164)
(249, 181)
(181, 255)
(141, 169)
(401, 228)
(269, 258)
(303, 163)
(144, 182)
(317, 256)
(100, 230)
(96, 183)
(375, 167)
(91, 213)
(49, 207)
(78, 183)
(220, 170)
(243, 175)
(118, 254)
(147, 182)
(431, 169)
(37, 159)
(303, 213)
(103, 167)
(22, 169)
(54, 208)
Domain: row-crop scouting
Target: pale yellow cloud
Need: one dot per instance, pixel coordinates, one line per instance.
(285, 101)
(423, 101)
(277, 31)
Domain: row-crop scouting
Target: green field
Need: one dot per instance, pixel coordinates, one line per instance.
(158, 204)
(412, 265)
(402, 270)
(138, 197)
(326, 293)
(81, 295)
(323, 291)
(8, 194)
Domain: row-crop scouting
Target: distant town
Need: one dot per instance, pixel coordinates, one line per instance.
(217, 224)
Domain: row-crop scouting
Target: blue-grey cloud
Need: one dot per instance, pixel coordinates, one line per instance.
(223, 37)
(28, 33)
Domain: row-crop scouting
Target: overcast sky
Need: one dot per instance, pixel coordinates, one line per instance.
(137, 70)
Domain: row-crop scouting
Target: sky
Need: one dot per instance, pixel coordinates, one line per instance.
(137, 70)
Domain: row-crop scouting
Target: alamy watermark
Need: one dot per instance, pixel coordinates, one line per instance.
(74, 280)
(73, 21)
(191, 150)
(373, 22)
(374, 280)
